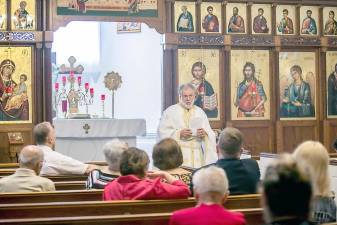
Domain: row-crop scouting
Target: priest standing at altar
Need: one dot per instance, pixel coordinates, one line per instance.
(188, 125)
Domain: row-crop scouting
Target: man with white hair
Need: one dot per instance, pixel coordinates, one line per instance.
(189, 126)
(26, 178)
(211, 191)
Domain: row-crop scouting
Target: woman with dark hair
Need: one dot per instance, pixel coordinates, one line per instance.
(137, 183)
(167, 156)
(206, 97)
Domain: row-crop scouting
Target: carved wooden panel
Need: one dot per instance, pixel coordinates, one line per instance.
(26, 131)
(300, 41)
(291, 133)
(330, 133)
(250, 40)
(258, 135)
(201, 40)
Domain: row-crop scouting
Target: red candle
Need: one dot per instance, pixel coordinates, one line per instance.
(86, 86)
(79, 80)
(57, 86)
(91, 92)
(64, 105)
(102, 97)
(64, 80)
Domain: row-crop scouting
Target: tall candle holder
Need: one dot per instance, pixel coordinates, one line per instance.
(112, 82)
(73, 95)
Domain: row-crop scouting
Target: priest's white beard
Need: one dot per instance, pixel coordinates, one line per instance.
(186, 106)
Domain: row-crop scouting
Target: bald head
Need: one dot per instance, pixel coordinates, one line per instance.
(31, 157)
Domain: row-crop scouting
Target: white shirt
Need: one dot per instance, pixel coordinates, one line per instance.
(57, 164)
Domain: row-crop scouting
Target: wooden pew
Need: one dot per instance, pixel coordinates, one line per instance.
(93, 195)
(9, 165)
(69, 185)
(53, 178)
(252, 216)
(16, 165)
(96, 208)
(54, 196)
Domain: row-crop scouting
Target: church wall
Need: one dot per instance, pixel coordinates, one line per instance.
(271, 129)
(271, 133)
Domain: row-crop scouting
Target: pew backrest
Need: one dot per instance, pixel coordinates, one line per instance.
(95, 208)
(252, 216)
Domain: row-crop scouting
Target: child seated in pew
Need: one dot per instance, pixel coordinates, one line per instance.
(211, 191)
(26, 178)
(137, 182)
(167, 156)
(315, 158)
(99, 178)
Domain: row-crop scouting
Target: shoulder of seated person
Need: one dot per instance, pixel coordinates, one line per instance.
(178, 171)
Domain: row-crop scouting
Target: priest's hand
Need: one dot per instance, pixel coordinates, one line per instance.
(201, 133)
(185, 133)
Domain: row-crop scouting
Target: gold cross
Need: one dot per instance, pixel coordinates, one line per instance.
(86, 127)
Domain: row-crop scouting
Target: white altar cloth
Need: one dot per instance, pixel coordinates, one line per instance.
(83, 139)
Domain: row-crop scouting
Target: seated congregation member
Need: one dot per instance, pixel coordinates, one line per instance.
(26, 178)
(137, 183)
(98, 178)
(315, 158)
(54, 162)
(243, 174)
(286, 193)
(167, 156)
(334, 145)
(210, 190)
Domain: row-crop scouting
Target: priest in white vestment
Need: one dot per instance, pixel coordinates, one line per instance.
(188, 125)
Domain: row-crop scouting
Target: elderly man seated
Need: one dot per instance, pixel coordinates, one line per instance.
(26, 178)
(54, 162)
(210, 190)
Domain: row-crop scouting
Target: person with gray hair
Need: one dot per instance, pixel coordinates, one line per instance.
(189, 126)
(211, 192)
(26, 178)
(99, 178)
(243, 174)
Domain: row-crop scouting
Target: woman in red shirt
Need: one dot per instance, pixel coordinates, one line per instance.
(137, 183)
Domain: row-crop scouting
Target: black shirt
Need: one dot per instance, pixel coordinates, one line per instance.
(243, 174)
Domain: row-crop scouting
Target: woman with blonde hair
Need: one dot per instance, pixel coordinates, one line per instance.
(314, 157)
